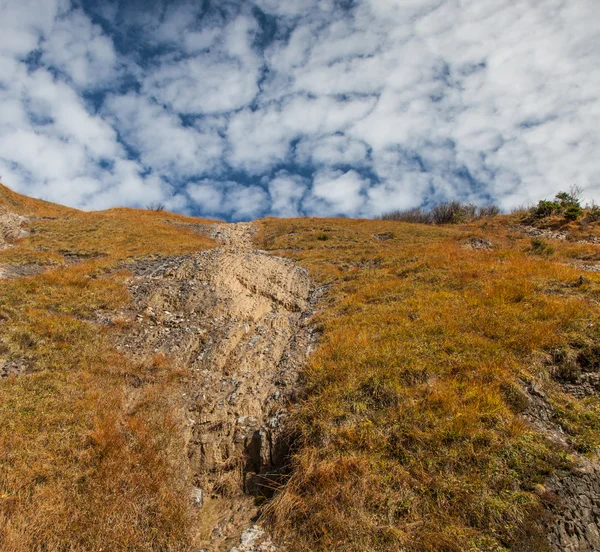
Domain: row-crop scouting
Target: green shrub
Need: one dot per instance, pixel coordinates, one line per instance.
(540, 247)
(565, 203)
(545, 209)
(573, 212)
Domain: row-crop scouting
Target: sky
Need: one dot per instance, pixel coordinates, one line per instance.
(242, 109)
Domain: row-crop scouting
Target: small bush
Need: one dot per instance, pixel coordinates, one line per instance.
(452, 212)
(156, 206)
(322, 237)
(592, 213)
(565, 203)
(416, 215)
(540, 247)
(521, 209)
(488, 211)
(545, 209)
(573, 212)
(448, 212)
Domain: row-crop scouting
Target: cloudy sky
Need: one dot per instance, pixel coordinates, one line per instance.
(240, 109)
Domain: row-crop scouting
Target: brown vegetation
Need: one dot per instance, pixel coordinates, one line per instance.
(414, 431)
(410, 436)
(88, 461)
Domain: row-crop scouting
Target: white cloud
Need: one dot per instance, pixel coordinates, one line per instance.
(332, 150)
(228, 199)
(416, 100)
(81, 50)
(261, 139)
(208, 196)
(221, 80)
(337, 193)
(162, 142)
(286, 191)
(23, 23)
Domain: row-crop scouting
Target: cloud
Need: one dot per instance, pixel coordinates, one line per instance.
(161, 141)
(24, 23)
(332, 150)
(286, 191)
(228, 199)
(337, 193)
(81, 51)
(222, 79)
(241, 109)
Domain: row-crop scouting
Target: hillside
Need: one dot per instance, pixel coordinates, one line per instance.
(355, 385)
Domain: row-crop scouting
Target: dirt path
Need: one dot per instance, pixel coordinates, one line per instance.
(237, 318)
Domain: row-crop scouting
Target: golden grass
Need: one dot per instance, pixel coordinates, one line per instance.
(409, 436)
(91, 443)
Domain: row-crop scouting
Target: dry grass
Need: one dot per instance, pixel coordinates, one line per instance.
(409, 437)
(91, 445)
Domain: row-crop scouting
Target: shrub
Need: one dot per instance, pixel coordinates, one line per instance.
(545, 209)
(156, 206)
(416, 215)
(322, 237)
(573, 212)
(452, 212)
(540, 247)
(488, 211)
(448, 212)
(565, 203)
(593, 213)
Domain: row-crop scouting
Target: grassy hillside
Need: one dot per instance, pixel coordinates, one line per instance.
(88, 461)
(412, 431)
(410, 436)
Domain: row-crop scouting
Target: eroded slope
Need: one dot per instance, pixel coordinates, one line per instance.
(236, 317)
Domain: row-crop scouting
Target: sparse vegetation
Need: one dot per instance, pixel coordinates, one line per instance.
(593, 213)
(416, 215)
(451, 212)
(156, 206)
(409, 434)
(541, 247)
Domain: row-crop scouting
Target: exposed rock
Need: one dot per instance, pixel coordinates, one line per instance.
(10, 271)
(576, 509)
(254, 539)
(197, 497)
(383, 236)
(11, 228)
(478, 244)
(535, 232)
(15, 367)
(571, 497)
(237, 318)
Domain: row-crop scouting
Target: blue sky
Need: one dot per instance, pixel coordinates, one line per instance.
(238, 110)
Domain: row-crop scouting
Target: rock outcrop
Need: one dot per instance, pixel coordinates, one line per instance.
(237, 318)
